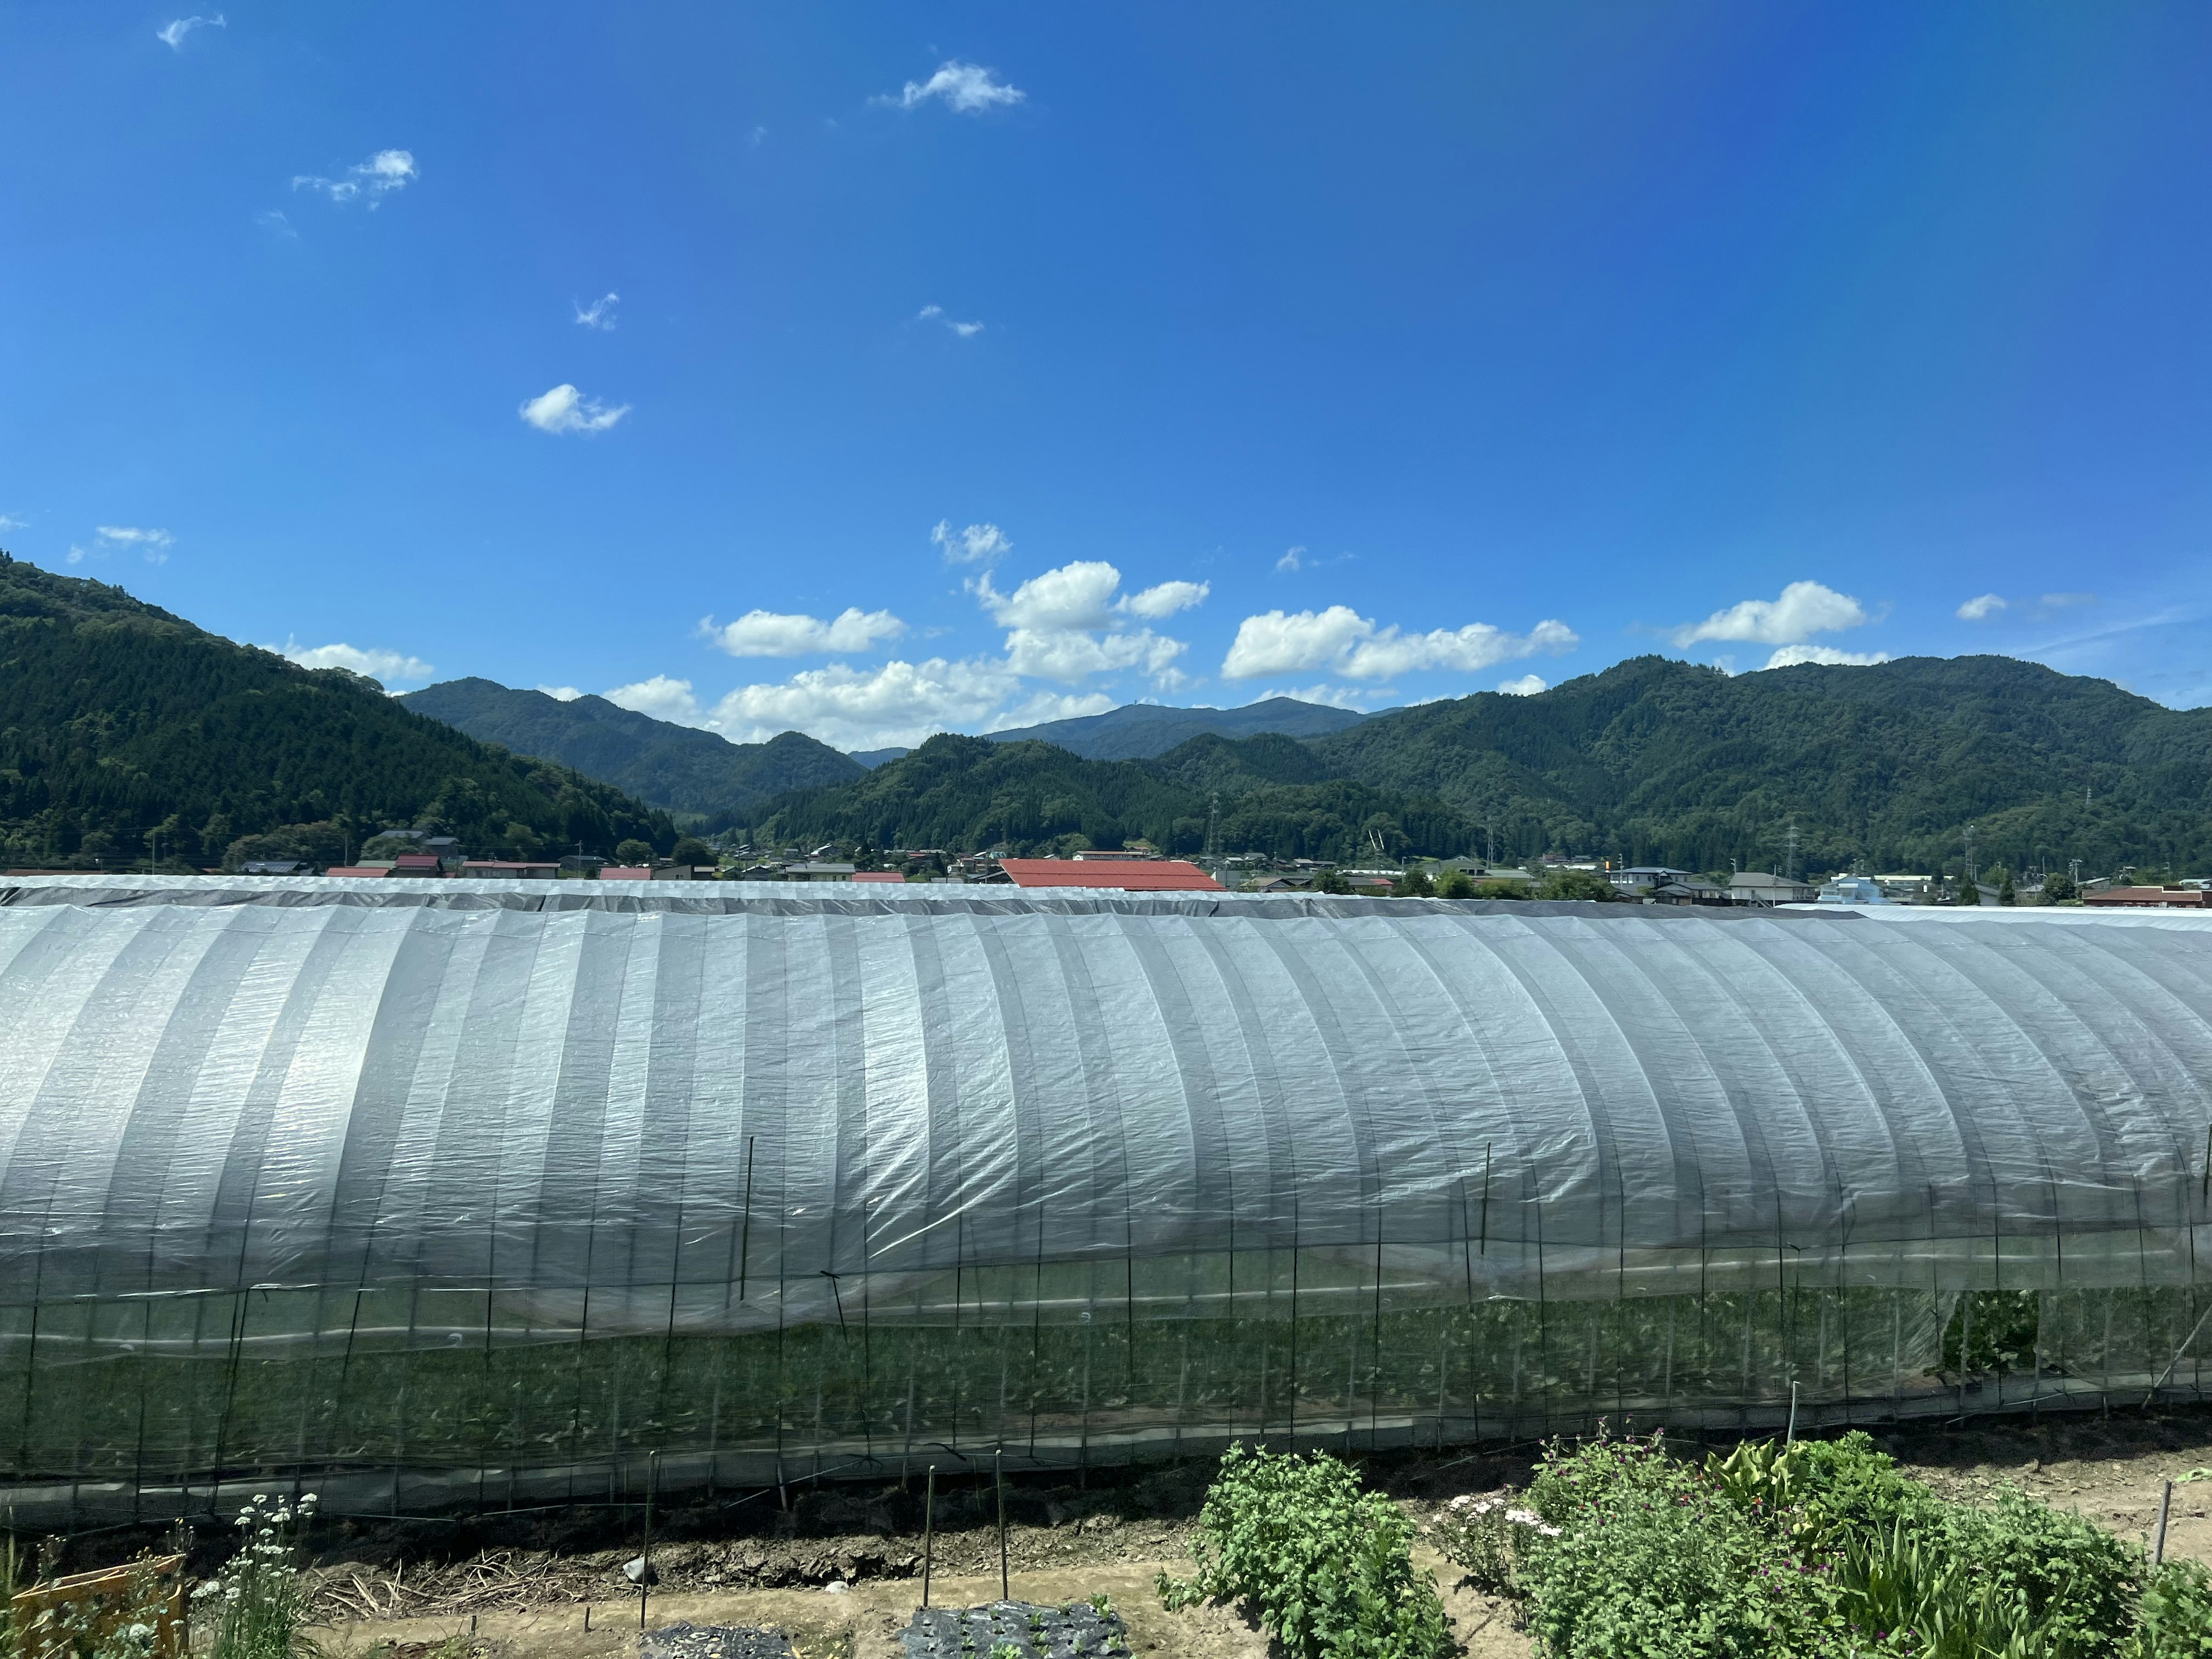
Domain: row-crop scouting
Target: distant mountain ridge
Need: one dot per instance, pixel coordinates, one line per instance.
(1654, 760)
(1144, 731)
(678, 768)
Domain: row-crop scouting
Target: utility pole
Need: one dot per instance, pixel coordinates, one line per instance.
(1974, 870)
(1213, 830)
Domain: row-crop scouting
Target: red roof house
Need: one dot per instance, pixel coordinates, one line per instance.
(1149, 876)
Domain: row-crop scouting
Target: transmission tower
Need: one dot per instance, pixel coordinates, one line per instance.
(1974, 870)
(1790, 851)
(1213, 829)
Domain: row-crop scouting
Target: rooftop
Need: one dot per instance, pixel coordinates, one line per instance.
(1149, 875)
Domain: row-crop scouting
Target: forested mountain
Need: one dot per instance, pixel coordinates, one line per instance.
(1141, 731)
(972, 793)
(1652, 761)
(1661, 762)
(677, 768)
(118, 720)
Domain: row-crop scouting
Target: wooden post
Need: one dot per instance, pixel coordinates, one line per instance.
(2164, 1508)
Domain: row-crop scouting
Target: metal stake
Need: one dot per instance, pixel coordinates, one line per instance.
(929, 1531)
(645, 1559)
(2165, 1505)
(999, 1467)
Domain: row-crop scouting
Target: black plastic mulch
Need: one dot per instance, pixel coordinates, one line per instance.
(716, 1641)
(1032, 1631)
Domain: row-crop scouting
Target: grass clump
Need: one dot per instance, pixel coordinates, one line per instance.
(1328, 1565)
(1825, 1548)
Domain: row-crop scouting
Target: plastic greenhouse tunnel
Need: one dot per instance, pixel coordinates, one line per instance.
(447, 1196)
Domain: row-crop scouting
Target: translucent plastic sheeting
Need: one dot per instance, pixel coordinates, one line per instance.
(765, 1174)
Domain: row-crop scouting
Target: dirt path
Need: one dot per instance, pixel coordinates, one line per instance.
(777, 1570)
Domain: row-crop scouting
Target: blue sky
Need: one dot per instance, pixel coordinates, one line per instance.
(877, 370)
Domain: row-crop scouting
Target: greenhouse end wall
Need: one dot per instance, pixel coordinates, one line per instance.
(443, 1197)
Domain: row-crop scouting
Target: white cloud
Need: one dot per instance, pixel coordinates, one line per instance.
(1790, 656)
(1981, 606)
(564, 408)
(1159, 603)
(967, 87)
(936, 313)
(1078, 595)
(152, 544)
(771, 633)
(1065, 623)
(8, 523)
(560, 693)
(1342, 641)
(386, 171)
(1803, 610)
(75, 555)
(130, 536)
(599, 315)
(663, 698)
(275, 222)
(172, 34)
(1527, 686)
(901, 703)
(1293, 560)
(377, 665)
(1069, 654)
(979, 543)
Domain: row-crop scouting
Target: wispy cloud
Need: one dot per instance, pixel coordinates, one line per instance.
(1159, 603)
(1342, 641)
(376, 663)
(274, 222)
(1293, 559)
(386, 171)
(774, 634)
(965, 88)
(979, 543)
(936, 314)
(565, 410)
(599, 315)
(172, 34)
(8, 523)
(1803, 609)
(155, 544)
(1980, 608)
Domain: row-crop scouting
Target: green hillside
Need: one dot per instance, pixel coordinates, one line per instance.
(117, 719)
(971, 793)
(1652, 761)
(679, 768)
(1661, 762)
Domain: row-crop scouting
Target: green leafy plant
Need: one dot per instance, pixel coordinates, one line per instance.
(2175, 1621)
(1652, 1559)
(1328, 1566)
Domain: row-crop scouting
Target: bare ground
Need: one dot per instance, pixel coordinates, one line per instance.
(523, 1586)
